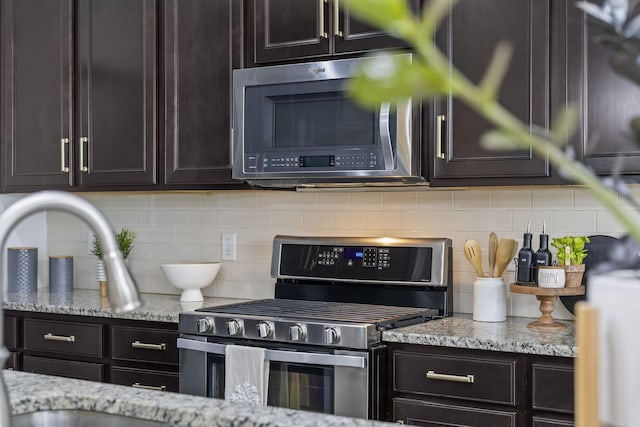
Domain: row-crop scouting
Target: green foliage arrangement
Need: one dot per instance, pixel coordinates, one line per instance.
(430, 74)
(125, 240)
(577, 252)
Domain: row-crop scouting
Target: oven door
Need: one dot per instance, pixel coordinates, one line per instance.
(331, 381)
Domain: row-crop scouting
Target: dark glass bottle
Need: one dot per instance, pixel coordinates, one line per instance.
(543, 255)
(526, 259)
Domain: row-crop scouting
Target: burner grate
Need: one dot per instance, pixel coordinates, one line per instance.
(383, 316)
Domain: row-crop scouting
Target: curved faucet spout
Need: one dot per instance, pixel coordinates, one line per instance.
(123, 296)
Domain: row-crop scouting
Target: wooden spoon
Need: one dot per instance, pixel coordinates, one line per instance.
(506, 251)
(493, 249)
(474, 256)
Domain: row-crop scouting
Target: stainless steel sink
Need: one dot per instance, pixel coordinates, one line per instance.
(73, 418)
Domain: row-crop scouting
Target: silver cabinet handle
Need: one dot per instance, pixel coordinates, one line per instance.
(455, 378)
(440, 121)
(84, 154)
(149, 387)
(51, 337)
(64, 154)
(336, 18)
(323, 34)
(138, 344)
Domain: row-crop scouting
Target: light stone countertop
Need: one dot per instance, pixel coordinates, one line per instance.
(156, 308)
(510, 336)
(34, 392)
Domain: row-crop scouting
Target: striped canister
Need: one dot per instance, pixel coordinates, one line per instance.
(22, 270)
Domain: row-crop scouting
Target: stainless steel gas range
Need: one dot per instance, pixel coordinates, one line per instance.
(323, 330)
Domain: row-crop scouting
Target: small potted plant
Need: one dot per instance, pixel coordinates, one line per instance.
(571, 254)
(125, 240)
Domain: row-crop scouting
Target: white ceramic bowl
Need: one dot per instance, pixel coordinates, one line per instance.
(191, 277)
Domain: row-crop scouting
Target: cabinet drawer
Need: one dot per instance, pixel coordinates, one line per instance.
(64, 368)
(552, 387)
(141, 378)
(425, 413)
(550, 422)
(148, 345)
(84, 339)
(480, 379)
(11, 331)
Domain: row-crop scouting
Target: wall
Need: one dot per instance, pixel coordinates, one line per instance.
(31, 232)
(188, 226)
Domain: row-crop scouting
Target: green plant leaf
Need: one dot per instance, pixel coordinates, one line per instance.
(497, 140)
(393, 16)
(497, 69)
(564, 125)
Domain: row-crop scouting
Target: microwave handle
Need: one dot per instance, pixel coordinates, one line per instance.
(281, 356)
(385, 136)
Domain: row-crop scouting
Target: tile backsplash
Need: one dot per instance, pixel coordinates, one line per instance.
(188, 227)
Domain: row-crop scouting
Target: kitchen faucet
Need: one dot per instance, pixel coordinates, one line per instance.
(123, 297)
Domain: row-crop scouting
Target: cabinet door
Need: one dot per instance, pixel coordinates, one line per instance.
(285, 29)
(199, 47)
(469, 37)
(606, 101)
(351, 35)
(36, 93)
(117, 96)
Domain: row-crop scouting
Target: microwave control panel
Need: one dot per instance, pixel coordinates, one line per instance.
(284, 162)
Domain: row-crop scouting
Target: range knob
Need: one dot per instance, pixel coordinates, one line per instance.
(205, 325)
(330, 335)
(297, 332)
(234, 327)
(265, 329)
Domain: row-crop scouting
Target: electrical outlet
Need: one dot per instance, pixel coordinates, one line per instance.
(229, 247)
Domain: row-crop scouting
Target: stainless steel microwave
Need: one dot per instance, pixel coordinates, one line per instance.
(295, 125)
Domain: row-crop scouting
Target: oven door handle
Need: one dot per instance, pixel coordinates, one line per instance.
(281, 355)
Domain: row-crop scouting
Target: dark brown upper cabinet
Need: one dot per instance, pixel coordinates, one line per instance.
(36, 77)
(202, 44)
(281, 30)
(605, 100)
(79, 103)
(469, 36)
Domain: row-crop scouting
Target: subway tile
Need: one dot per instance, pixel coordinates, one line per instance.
(302, 201)
(586, 200)
(229, 199)
(399, 201)
(175, 253)
(271, 200)
(492, 220)
(471, 199)
(456, 220)
(511, 199)
(537, 219)
(608, 224)
(333, 201)
(287, 219)
(556, 198)
(231, 218)
(365, 201)
(575, 222)
(433, 200)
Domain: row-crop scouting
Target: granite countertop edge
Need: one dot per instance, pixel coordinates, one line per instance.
(512, 335)
(30, 392)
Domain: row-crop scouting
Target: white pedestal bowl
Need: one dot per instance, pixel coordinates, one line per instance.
(191, 277)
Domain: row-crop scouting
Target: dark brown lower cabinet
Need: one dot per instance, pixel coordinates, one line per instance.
(64, 368)
(128, 352)
(439, 386)
(146, 379)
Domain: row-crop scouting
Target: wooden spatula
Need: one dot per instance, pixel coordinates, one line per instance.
(506, 251)
(493, 249)
(474, 256)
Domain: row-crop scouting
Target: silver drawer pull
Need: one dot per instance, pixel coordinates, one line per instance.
(138, 344)
(446, 377)
(149, 387)
(51, 337)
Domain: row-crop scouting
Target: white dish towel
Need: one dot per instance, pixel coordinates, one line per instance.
(246, 375)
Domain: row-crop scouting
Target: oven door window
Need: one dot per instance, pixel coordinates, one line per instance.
(291, 385)
(294, 386)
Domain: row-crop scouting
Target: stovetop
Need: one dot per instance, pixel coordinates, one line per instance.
(332, 324)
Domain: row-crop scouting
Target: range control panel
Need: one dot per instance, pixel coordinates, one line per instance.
(422, 261)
